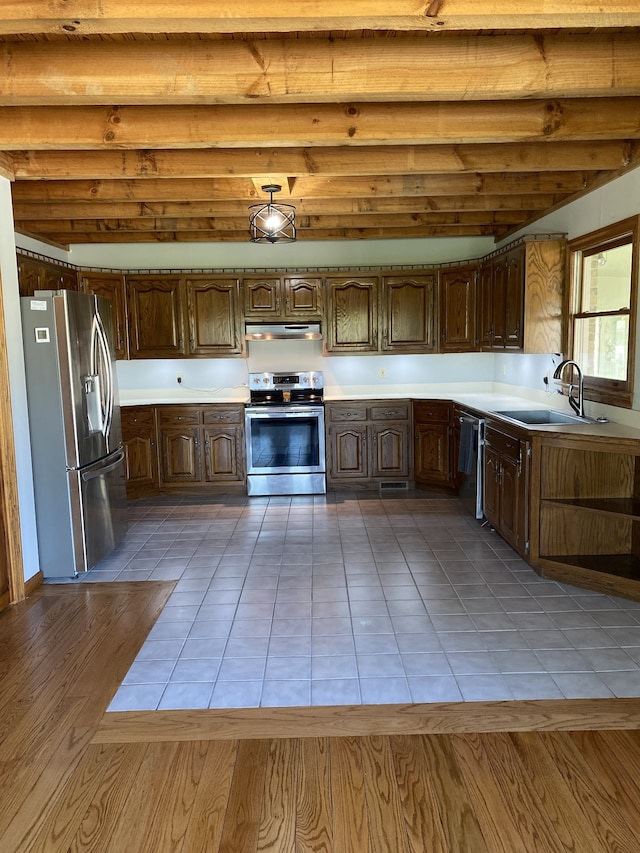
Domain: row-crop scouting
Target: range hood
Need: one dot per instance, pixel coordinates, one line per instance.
(283, 332)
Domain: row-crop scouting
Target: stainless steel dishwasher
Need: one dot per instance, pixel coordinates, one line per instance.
(471, 462)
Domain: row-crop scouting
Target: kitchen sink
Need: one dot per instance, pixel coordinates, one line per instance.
(542, 416)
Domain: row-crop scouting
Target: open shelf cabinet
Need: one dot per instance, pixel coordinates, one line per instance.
(588, 513)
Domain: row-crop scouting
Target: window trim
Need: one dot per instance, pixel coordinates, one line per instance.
(613, 392)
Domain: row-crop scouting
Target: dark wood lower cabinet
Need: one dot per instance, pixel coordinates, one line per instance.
(223, 454)
(177, 448)
(506, 486)
(368, 443)
(433, 450)
(141, 450)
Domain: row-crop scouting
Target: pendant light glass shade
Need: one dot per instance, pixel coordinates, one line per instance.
(272, 222)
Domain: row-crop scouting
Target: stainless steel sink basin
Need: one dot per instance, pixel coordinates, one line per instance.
(541, 416)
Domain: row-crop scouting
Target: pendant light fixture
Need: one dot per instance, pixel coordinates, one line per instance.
(272, 222)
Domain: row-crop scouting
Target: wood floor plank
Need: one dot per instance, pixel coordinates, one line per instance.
(170, 819)
(242, 820)
(131, 828)
(35, 793)
(206, 820)
(386, 819)
(314, 829)
(434, 800)
(277, 831)
(504, 831)
(599, 808)
(26, 772)
(562, 807)
(363, 720)
(350, 819)
(100, 769)
(115, 787)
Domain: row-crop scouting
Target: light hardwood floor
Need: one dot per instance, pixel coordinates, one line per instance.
(476, 777)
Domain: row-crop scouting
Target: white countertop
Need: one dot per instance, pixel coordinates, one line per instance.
(483, 397)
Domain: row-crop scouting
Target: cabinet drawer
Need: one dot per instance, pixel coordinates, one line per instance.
(179, 416)
(137, 417)
(506, 445)
(390, 412)
(343, 413)
(223, 415)
(431, 411)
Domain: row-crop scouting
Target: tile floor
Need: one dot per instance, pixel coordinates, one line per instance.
(357, 598)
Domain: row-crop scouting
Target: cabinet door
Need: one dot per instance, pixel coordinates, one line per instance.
(409, 311)
(514, 299)
(303, 297)
(432, 453)
(389, 450)
(485, 306)
(509, 522)
(352, 315)
(30, 275)
(214, 317)
(180, 458)
(499, 301)
(262, 298)
(223, 454)
(491, 486)
(347, 452)
(141, 454)
(156, 317)
(457, 309)
(111, 286)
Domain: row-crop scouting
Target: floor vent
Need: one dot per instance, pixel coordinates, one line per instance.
(393, 484)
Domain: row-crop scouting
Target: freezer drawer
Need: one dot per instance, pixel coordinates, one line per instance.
(100, 517)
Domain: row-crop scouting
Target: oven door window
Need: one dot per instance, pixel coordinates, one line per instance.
(282, 445)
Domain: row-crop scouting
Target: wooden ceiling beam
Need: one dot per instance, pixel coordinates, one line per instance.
(314, 207)
(89, 17)
(211, 224)
(69, 238)
(520, 66)
(178, 189)
(270, 126)
(6, 166)
(363, 160)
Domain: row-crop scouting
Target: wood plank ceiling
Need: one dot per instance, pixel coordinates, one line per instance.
(157, 121)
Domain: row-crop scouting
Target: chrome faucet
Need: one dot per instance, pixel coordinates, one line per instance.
(576, 405)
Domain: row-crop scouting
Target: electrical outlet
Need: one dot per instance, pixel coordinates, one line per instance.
(383, 372)
(179, 378)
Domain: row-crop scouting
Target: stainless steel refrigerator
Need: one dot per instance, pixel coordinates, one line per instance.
(74, 422)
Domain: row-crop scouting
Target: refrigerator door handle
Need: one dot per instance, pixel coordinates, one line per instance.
(100, 472)
(102, 367)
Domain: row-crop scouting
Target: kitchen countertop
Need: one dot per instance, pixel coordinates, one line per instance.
(485, 402)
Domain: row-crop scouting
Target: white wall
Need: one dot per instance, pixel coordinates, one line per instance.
(13, 328)
(315, 254)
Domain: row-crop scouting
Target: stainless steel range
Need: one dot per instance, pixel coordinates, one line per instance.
(284, 422)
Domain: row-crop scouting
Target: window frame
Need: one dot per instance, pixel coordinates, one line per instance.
(615, 392)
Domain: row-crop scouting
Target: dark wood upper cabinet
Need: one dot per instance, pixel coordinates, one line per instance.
(262, 298)
(213, 311)
(111, 286)
(520, 298)
(156, 316)
(352, 315)
(458, 309)
(38, 274)
(303, 298)
(282, 298)
(409, 314)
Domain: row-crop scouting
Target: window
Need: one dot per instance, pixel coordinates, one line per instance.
(602, 311)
